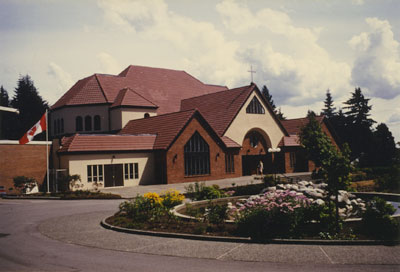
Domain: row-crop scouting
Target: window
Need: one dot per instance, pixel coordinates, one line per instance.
(292, 159)
(97, 122)
(131, 171)
(89, 173)
(58, 126)
(94, 173)
(88, 123)
(62, 125)
(55, 127)
(146, 115)
(78, 123)
(229, 163)
(255, 107)
(197, 156)
(253, 140)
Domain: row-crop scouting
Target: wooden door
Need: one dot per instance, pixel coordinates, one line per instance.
(113, 175)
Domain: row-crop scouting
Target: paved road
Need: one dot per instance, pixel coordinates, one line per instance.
(43, 235)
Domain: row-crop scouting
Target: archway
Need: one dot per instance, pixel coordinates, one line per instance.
(255, 149)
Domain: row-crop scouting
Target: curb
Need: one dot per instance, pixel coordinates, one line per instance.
(248, 240)
(32, 197)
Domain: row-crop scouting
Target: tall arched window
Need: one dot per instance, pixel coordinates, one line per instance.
(78, 123)
(97, 122)
(62, 125)
(88, 123)
(197, 156)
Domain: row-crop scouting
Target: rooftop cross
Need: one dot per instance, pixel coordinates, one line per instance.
(251, 72)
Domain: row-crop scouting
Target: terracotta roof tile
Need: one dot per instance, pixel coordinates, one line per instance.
(219, 108)
(101, 142)
(229, 143)
(163, 87)
(292, 140)
(293, 126)
(128, 97)
(166, 127)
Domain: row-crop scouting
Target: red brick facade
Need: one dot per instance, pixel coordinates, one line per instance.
(175, 163)
(22, 160)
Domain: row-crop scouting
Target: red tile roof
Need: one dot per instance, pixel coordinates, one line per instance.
(101, 142)
(219, 108)
(293, 126)
(163, 87)
(292, 140)
(129, 98)
(229, 143)
(166, 127)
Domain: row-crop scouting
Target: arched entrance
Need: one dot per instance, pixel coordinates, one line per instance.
(255, 149)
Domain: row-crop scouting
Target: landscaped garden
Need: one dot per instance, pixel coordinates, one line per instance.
(276, 213)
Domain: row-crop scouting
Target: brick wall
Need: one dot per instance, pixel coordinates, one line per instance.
(175, 157)
(21, 160)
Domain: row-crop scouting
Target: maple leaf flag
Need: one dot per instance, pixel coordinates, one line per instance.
(35, 130)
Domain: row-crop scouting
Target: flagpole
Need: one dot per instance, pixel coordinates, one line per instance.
(47, 151)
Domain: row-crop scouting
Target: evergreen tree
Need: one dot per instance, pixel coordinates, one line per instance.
(358, 127)
(268, 97)
(30, 104)
(358, 109)
(280, 115)
(384, 148)
(329, 110)
(4, 100)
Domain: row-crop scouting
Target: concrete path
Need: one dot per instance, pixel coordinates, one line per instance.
(129, 192)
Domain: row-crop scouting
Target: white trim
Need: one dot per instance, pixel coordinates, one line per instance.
(9, 109)
(16, 142)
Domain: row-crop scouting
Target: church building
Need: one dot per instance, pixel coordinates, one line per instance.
(158, 126)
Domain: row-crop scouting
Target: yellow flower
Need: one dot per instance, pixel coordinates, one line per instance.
(153, 197)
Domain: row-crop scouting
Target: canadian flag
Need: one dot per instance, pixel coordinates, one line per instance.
(35, 130)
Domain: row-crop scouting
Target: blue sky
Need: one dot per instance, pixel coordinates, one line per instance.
(298, 48)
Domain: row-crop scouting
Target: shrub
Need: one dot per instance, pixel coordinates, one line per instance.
(153, 198)
(23, 183)
(377, 221)
(141, 208)
(271, 215)
(172, 198)
(216, 214)
(269, 181)
(199, 191)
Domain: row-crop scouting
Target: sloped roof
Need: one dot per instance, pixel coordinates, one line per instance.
(229, 142)
(166, 127)
(292, 140)
(101, 142)
(293, 126)
(219, 108)
(129, 98)
(162, 87)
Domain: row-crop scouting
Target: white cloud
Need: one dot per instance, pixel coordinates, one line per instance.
(358, 2)
(377, 64)
(63, 79)
(289, 58)
(109, 64)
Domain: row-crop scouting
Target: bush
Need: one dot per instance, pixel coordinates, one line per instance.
(199, 191)
(269, 181)
(142, 209)
(172, 198)
(377, 221)
(271, 215)
(216, 214)
(23, 183)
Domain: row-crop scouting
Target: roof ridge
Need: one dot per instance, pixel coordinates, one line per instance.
(130, 89)
(241, 92)
(165, 114)
(101, 88)
(214, 93)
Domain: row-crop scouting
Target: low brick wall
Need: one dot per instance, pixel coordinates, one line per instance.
(22, 160)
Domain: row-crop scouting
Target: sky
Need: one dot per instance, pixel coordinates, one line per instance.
(298, 48)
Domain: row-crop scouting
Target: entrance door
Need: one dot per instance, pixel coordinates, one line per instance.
(113, 175)
(250, 164)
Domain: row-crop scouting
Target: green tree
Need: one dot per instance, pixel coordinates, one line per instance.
(332, 164)
(358, 127)
(384, 148)
(4, 99)
(329, 110)
(30, 104)
(268, 96)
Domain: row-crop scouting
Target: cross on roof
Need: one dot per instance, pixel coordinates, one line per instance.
(251, 72)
